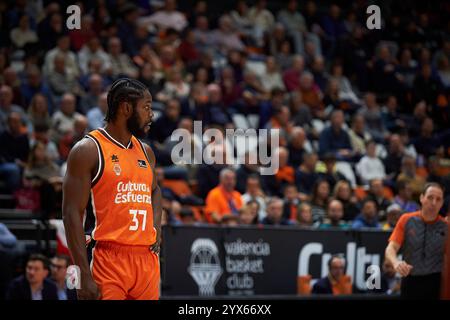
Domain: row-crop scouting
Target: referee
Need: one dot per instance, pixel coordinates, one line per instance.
(421, 236)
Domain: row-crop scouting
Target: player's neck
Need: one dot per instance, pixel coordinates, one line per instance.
(120, 133)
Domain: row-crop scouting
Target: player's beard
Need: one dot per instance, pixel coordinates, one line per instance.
(134, 127)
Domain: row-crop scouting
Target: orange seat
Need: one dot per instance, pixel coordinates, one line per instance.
(388, 193)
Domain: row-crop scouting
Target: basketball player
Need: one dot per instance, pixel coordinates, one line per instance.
(110, 174)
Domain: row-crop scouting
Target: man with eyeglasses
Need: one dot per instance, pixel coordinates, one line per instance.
(336, 282)
(58, 268)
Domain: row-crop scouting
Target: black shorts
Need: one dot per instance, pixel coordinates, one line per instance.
(421, 287)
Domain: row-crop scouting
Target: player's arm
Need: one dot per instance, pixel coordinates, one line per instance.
(156, 199)
(81, 163)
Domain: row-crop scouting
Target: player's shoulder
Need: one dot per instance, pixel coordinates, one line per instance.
(85, 149)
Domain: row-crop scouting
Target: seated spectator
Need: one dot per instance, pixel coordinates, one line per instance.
(34, 84)
(377, 194)
(204, 37)
(392, 120)
(23, 34)
(62, 48)
(42, 134)
(290, 202)
(394, 156)
(393, 213)
(60, 81)
(274, 216)
(38, 111)
(163, 127)
(14, 152)
(225, 38)
(248, 214)
(58, 268)
(372, 114)
(334, 139)
(319, 200)
(408, 175)
(95, 89)
(427, 143)
(370, 166)
(271, 78)
(63, 120)
(346, 92)
(343, 192)
(167, 17)
(187, 49)
(311, 95)
(262, 20)
(223, 199)
(329, 173)
(298, 145)
(359, 135)
(368, 218)
(93, 50)
(70, 138)
(306, 176)
(121, 63)
(96, 115)
(174, 87)
(254, 192)
(6, 107)
(336, 282)
(335, 213)
(284, 176)
(291, 76)
(404, 197)
(229, 220)
(153, 80)
(304, 215)
(34, 285)
(44, 175)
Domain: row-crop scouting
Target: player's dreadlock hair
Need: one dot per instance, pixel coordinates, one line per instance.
(123, 89)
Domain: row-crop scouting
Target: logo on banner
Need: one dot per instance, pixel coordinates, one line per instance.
(205, 266)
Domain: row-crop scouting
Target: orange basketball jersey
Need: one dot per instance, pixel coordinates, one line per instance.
(120, 201)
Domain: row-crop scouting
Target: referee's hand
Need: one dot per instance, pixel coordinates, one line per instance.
(403, 268)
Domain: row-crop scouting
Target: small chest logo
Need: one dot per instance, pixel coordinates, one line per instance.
(117, 169)
(142, 164)
(114, 158)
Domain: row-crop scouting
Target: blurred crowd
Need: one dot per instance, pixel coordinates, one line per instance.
(363, 114)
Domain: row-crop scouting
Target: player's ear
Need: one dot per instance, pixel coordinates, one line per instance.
(127, 108)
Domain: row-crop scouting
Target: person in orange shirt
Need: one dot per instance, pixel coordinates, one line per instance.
(110, 175)
(336, 282)
(223, 199)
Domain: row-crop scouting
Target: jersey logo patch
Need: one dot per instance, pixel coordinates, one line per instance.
(117, 169)
(114, 158)
(142, 164)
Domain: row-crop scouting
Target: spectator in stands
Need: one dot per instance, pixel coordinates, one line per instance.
(262, 20)
(359, 135)
(368, 218)
(6, 106)
(290, 202)
(370, 166)
(271, 77)
(409, 175)
(376, 193)
(311, 95)
(427, 86)
(223, 199)
(330, 174)
(248, 214)
(204, 37)
(23, 34)
(33, 85)
(60, 81)
(121, 63)
(58, 268)
(274, 216)
(335, 282)
(404, 197)
(96, 115)
(284, 176)
(393, 159)
(291, 76)
(335, 213)
(14, 151)
(225, 38)
(346, 92)
(175, 86)
(343, 192)
(393, 121)
(306, 176)
(334, 139)
(372, 114)
(393, 213)
(38, 112)
(63, 120)
(62, 48)
(44, 175)
(427, 142)
(93, 50)
(167, 122)
(167, 17)
(42, 134)
(298, 145)
(34, 285)
(304, 216)
(254, 192)
(91, 98)
(319, 200)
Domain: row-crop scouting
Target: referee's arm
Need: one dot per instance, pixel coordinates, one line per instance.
(395, 243)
